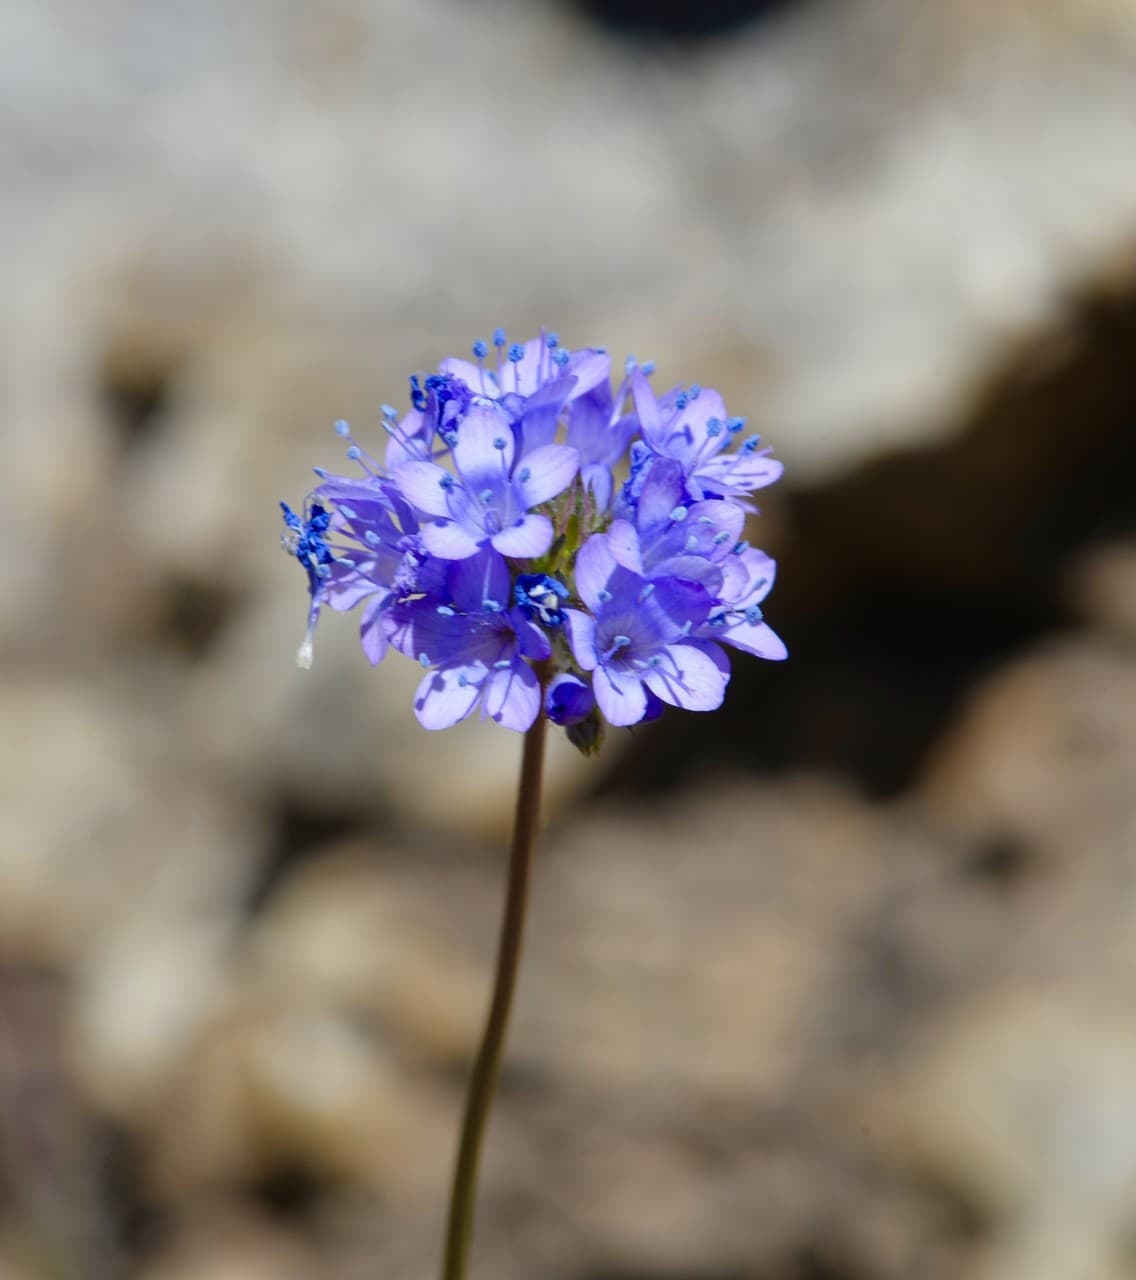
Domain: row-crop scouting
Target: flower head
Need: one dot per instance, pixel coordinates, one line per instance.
(493, 546)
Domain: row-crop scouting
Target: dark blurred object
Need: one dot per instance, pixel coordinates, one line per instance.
(679, 19)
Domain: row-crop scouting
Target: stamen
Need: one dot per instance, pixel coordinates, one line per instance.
(753, 615)
(500, 442)
(516, 353)
(524, 475)
(552, 341)
(423, 659)
(447, 483)
(486, 496)
(740, 548)
(719, 538)
(490, 605)
(498, 337)
(445, 611)
(502, 664)
(480, 350)
(678, 514)
(603, 595)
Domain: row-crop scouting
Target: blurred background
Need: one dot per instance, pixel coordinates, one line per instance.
(836, 984)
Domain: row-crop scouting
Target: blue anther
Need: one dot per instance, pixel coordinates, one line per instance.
(446, 483)
(678, 514)
(349, 512)
(648, 588)
(692, 542)
(498, 337)
(480, 350)
(445, 611)
(715, 426)
(695, 390)
(686, 628)
(373, 538)
(719, 538)
(561, 356)
(734, 425)
(751, 444)
(620, 642)
(388, 411)
(524, 475)
(490, 605)
(342, 428)
(424, 660)
(502, 664)
(681, 401)
(463, 680)
(354, 453)
(343, 560)
(603, 595)
(322, 472)
(648, 367)
(552, 341)
(499, 442)
(740, 548)
(516, 353)
(753, 615)
(654, 660)
(630, 365)
(486, 496)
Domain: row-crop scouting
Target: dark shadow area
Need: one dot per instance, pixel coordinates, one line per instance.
(679, 19)
(904, 583)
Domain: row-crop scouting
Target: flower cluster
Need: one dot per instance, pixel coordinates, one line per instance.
(538, 541)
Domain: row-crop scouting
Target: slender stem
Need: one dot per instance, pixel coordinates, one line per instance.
(486, 1068)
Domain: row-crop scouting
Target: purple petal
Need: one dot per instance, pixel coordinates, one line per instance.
(646, 406)
(534, 366)
(762, 570)
(662, 492)
(512, 696)
(757, 638)
(372, 631)
(442, 699)
(478, 578)
(688, 677)
(545, 472)
(542, 413)
(484, 450)
(623, 543)
(591, 369)
(448, 540)
(530, 536)
(582, 638)
(426, 486)
(598, 481)
(622, 698)
(740, 471)
(594, 566)
(531, 640)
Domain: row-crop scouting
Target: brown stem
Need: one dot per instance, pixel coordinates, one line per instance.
(483, 1081)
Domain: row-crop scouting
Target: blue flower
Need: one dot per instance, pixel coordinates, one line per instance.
(637, 637)
(491, 548)
(488, 500)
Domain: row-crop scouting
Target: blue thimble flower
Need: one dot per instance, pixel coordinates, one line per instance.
(496, 546)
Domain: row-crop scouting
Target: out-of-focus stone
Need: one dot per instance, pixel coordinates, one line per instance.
(340, 933)
(1026, 1106)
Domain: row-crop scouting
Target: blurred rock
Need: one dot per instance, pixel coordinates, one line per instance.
(1026, 1105)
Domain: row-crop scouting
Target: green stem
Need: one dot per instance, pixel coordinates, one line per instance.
(486, 1068)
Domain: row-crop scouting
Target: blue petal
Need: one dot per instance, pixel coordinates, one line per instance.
(530, 536)
(441, 699)
(594, 566)
(545, 472)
